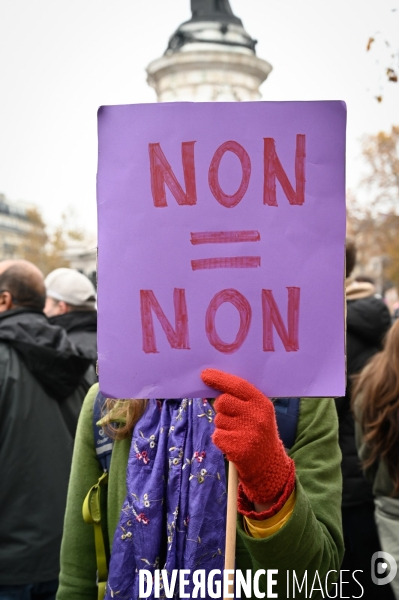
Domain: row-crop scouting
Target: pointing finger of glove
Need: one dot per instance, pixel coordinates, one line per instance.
(225, 382)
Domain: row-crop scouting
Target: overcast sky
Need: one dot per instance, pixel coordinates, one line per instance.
(61, 59)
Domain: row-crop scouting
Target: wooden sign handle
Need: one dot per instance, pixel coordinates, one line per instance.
(231, 521)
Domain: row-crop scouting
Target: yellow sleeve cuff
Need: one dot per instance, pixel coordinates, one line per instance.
(266, 528)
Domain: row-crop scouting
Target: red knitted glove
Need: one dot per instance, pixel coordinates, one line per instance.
(246, 432)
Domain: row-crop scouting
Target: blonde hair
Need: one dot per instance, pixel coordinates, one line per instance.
(121, 416)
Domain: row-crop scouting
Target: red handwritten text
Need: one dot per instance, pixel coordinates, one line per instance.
(273, 168)
(178, 337)
(162, 174)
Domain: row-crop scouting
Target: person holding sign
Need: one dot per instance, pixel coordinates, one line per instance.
(288, 501)
(221, 219)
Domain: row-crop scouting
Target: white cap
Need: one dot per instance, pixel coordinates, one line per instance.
(71, 287)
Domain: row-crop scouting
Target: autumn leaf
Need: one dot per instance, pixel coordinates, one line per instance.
(378, 98)
(371, 40)
(392, 75)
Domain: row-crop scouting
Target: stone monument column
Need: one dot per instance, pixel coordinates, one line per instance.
(209, 58)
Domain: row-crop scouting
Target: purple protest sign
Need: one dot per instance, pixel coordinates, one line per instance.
(221, 244)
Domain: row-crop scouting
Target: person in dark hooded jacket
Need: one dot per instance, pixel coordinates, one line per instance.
(70, 303)
(43, 380)
(367, 322)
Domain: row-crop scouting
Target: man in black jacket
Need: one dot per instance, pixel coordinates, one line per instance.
(70, 303)
(43, 380)
(367, 322)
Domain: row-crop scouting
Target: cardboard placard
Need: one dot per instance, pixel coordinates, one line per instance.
(221, 244)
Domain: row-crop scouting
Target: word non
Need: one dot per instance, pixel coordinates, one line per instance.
(178, 336)
(162, 174)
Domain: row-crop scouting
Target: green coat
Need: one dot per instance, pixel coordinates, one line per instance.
(311, 539)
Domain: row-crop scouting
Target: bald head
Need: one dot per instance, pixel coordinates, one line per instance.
(21, 285)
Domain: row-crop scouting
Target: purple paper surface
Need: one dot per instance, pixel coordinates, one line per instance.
(154, 257)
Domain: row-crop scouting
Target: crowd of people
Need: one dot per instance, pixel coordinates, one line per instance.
(93, 490)
(44, 378)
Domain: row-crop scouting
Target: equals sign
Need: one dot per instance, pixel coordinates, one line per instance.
(225, 237)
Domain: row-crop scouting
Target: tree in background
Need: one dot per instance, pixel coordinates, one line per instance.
(375, 223)
(381, 153)
(35, 238)
(46, 247)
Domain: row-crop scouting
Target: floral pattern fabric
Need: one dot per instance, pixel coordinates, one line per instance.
(174, 515)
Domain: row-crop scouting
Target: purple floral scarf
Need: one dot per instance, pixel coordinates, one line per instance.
(175, 509)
